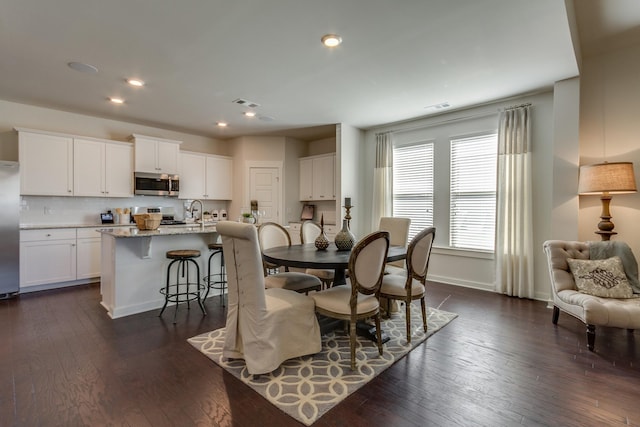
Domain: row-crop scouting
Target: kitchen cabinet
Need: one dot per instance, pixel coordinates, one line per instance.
(156, 155)
(46, 164)
(205, 176)
(317, 177)
(294, 232)
(88, 253)
(306, 179)
(102, 169)
(47, 256)
(59, 255)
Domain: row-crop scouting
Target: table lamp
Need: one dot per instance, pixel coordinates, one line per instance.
(606, 179)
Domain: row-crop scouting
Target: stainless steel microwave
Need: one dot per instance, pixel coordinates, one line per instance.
(156, 184)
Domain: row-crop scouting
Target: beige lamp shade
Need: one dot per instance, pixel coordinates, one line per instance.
(613, 178)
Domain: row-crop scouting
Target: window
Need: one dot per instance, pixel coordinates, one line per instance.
(473, 192)
(413, 185)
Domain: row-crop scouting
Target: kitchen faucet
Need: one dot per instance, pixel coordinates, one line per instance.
(201, 210)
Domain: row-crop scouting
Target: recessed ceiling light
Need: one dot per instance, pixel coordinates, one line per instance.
(116, 100)
(82, 67)
(331, 40)
(222, 124)
(250, 113)
(135, 82)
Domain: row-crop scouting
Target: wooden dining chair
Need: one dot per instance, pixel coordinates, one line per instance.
(411, 285)
(308, 234)
(271, 235)
(264, 326)
(361, 299)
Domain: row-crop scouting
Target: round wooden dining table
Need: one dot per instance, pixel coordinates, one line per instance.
(307, 256)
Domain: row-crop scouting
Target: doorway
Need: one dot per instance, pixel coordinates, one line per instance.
(265, 188)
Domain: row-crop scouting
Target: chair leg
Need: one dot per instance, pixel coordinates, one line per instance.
(352, 342)
(556, 313)
(378, 333)
(423, 306)
(591, 336)
(407, 313)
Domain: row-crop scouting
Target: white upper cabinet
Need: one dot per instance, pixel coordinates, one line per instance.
(306, 179)
(46, 164)
(192, 176)
(324, 178)
(102, 169)
(204, 176)
(219, 178)
(156, 155)
(317, 177)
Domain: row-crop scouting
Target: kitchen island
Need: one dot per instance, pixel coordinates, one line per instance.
(134, 264)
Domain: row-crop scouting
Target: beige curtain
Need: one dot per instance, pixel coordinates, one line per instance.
(514, 230)
(383, 179)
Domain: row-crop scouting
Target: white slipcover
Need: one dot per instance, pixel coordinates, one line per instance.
(264, 327)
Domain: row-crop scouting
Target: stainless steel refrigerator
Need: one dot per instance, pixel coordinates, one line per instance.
(9, 229)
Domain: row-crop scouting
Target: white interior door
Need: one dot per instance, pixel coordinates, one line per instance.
(264, 186)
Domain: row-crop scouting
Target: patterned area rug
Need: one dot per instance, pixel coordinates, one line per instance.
(307, 387)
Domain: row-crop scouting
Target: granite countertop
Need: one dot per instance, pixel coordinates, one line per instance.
(122, 232)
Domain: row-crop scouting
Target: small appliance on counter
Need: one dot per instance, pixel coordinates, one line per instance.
(107, 218)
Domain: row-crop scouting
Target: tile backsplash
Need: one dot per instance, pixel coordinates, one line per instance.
(86, 210)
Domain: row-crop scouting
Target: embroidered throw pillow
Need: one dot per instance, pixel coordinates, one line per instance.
(601, 277)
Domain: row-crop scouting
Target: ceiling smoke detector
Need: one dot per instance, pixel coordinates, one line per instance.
(246, 103)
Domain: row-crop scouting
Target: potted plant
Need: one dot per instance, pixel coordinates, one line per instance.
(248, 218)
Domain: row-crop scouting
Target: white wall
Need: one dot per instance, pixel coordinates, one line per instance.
(20, 115)
(348, 164)
(610, 130)
(468, 268)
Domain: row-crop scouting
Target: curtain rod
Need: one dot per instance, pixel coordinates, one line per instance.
(441, 122)
(513, 107)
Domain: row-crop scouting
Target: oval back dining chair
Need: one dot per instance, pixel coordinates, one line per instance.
(308, 234)
(271, 235)
(360, 300)
(411, 285)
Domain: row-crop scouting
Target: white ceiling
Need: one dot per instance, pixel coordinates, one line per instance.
(197, 56)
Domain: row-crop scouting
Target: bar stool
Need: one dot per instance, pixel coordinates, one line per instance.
(216, 280)
(182, 291)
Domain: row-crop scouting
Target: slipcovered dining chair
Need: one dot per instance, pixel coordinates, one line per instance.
(264, 326)
(271, 235)
(308, 234)
(360, 299)
(398, 229)
(411, 285)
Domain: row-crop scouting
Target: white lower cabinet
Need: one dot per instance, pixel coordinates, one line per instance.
(47, 256)
(294, 232)
(58, 255)
(89, 250)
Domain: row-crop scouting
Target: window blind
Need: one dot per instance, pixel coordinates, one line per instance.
(413, 185)
(473, 192)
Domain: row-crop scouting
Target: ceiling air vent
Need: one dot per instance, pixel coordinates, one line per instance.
(246, 103)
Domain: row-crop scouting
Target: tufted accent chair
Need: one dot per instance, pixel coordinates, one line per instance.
(593, 311)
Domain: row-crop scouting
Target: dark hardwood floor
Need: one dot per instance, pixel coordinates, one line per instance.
(502, 362)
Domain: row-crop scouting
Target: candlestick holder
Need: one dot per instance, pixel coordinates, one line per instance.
(348, 214)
